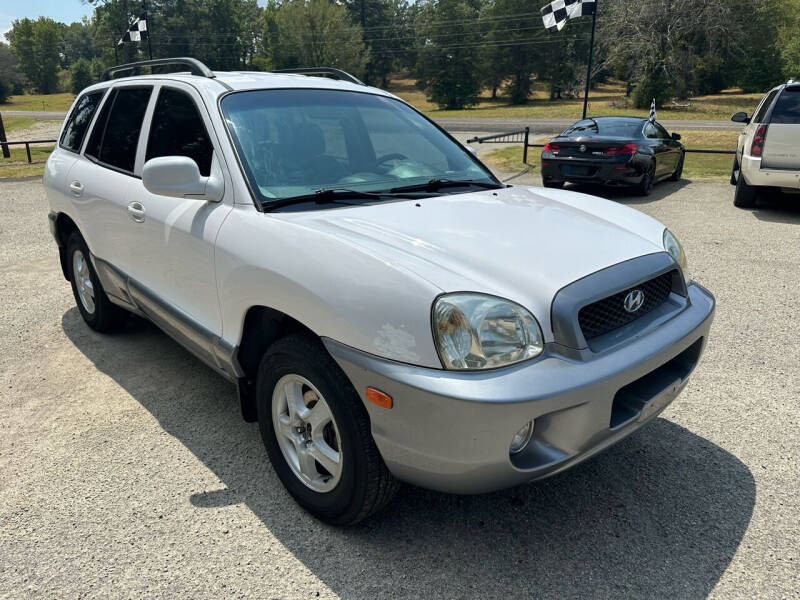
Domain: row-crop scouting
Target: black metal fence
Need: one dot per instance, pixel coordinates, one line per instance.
(4, 153)
(523, 136)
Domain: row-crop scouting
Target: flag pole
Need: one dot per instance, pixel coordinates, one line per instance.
(589, 68)
(147, 20)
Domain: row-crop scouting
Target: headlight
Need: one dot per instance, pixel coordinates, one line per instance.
(675, 250)
(476, 331)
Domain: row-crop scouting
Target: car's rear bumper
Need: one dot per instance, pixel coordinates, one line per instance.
(451, 431)
(755, 175)
(605, 172)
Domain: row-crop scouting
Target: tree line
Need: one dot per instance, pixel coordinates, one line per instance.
(455, 49)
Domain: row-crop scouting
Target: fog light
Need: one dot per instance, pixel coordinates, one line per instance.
(521, 438)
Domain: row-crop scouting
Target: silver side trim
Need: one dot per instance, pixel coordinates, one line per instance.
(192, 335)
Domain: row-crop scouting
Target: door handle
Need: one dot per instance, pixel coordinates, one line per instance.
(76, 187)
(136, 211)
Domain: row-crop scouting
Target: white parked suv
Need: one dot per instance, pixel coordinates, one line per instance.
(388, 310)
(768, 150)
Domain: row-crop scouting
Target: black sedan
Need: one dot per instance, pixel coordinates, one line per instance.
(618, 151)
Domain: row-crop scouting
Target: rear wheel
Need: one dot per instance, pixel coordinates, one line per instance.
(96, 309)
(645, 186)
(745, 195)
(735, 171)
(317, 433)
(676, 176)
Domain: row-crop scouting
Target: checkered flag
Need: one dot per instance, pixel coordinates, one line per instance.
(557, 13)
(137, 32)
(653, 111)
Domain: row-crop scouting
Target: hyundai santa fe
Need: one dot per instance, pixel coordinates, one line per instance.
(386, 308)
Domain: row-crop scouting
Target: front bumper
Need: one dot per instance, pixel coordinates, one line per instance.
(451, 431)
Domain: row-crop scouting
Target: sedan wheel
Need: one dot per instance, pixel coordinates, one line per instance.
(307, 433)
(645, 187)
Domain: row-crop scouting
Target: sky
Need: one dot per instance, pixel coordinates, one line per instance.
(65, 11)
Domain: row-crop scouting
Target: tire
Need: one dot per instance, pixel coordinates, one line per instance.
(96, 309)
(676, 176)
(745, 195)
(553, 184)
(645, 186)
(362, 485)
(736, 169)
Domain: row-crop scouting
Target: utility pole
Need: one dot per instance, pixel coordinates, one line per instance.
(149, 29)
(589, 68)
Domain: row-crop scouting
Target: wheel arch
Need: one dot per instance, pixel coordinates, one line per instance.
(64, 226)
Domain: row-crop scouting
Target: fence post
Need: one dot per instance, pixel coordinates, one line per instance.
(4, 147)
(28, 151)
(525, 148)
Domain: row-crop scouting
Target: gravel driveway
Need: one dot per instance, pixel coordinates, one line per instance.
(126, 471)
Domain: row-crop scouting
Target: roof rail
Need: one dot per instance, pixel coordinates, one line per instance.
(337, 73)
(195, 67)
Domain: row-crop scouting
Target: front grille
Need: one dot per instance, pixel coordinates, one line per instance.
(609, 313)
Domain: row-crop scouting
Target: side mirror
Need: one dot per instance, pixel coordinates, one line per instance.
(740, 117)
(179, 177)
(676, 137)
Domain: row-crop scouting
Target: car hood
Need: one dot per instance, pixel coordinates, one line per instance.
(520, 243)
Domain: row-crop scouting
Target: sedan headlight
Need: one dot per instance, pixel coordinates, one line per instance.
(675, 250)
(476, 331)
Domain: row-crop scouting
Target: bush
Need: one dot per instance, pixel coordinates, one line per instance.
(81, 71)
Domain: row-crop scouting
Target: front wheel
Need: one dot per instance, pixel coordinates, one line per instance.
(317, 433)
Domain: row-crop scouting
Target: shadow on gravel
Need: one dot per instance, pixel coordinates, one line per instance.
(626, 195)
(659, 515)
(778, 208)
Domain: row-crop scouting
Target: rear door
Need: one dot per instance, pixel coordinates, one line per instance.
(658, 143)
(103, 177)
(782, 147)
(174, 254)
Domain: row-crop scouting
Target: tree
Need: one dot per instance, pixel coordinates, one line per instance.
(11, 78)
(446, 60)
(318, 33)
(35, 44)
(81, 71)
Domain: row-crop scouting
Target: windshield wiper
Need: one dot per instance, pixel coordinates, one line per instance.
(324, 196)
(437, 184)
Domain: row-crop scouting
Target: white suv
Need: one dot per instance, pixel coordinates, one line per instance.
(388, 310)
(768, 151)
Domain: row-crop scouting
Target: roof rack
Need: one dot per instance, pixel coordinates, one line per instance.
(337, 73)
(195, 67)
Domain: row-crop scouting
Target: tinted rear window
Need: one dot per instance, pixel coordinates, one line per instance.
(115, 138)
(764, 107)
(79, 120)
(603, 127)
(787, 108)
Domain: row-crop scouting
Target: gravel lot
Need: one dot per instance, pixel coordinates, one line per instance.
(126, 471)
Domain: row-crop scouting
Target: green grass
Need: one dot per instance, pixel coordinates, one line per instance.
(17, 165)
(606, 99)
(39, 102)
(714, 167)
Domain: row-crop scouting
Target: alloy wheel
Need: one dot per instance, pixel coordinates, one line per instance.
(83, 281)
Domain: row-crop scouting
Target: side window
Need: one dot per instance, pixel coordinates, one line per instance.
(178, 130)
(662, 133)
(787, 108)
(79, 120)
(764, 107)
(651, 131)
(114, 139)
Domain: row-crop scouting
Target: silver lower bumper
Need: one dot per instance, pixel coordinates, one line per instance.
(451, 431)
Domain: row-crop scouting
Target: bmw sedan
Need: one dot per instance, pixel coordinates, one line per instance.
(617, 151)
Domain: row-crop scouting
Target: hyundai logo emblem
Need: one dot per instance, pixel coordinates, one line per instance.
(633, 301)
(582, 148)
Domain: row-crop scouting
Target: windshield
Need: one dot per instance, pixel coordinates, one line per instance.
(605, 128)
(293, 142)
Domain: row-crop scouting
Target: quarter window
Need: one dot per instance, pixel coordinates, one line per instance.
(761, 113)
(178, 130)
(79, 120)
(114, 139)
